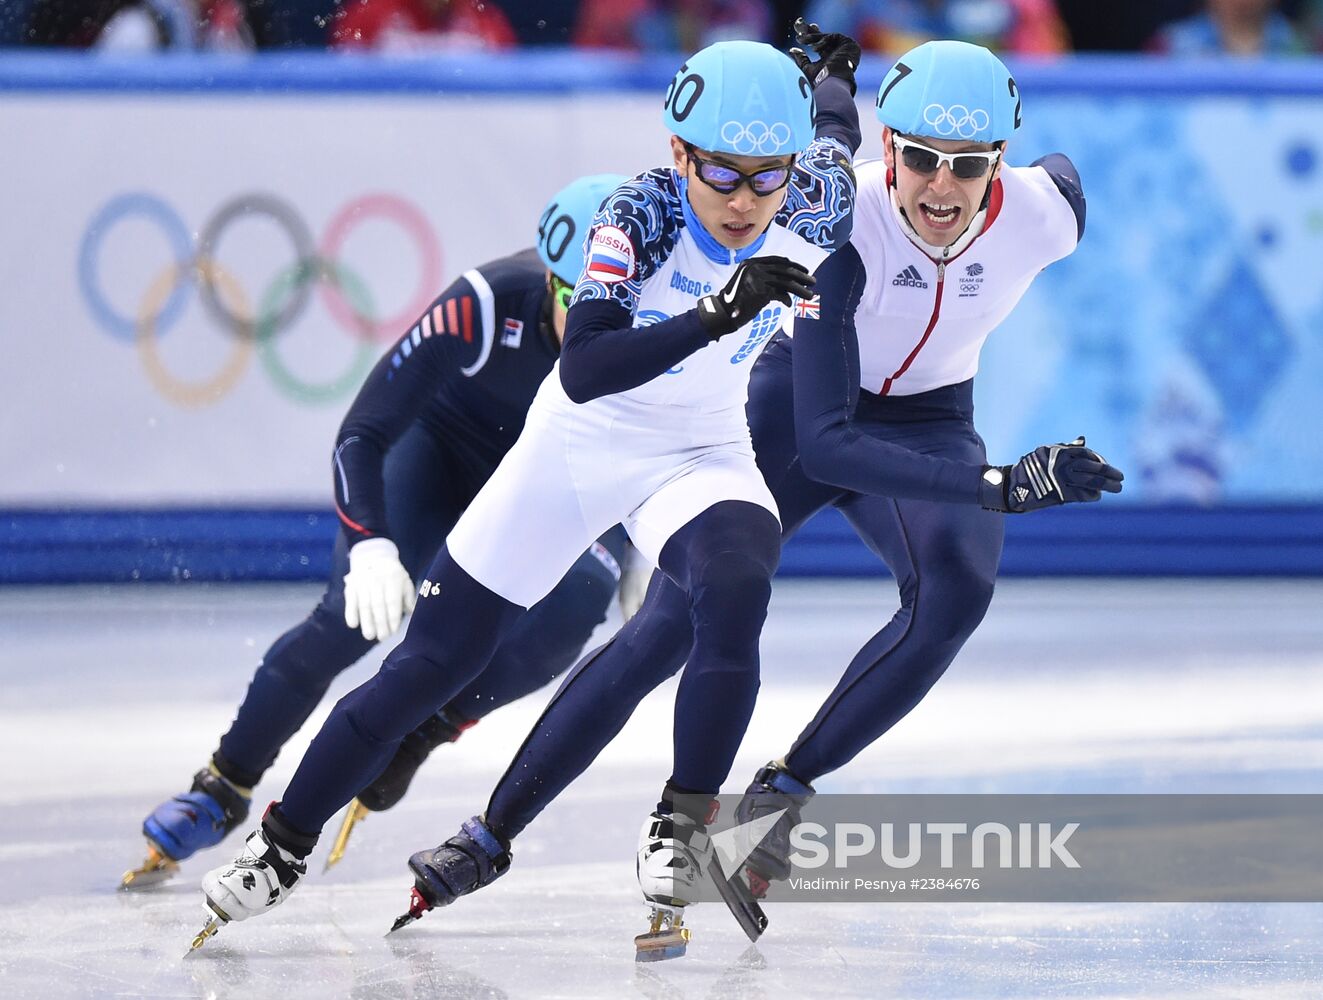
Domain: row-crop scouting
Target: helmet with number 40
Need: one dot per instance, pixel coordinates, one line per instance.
(566, 220)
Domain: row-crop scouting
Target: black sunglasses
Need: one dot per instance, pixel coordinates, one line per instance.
(727, 180)
(926, 160)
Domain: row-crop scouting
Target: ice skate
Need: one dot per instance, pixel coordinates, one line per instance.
(180, 827)
(773, 790)
(674, 852)
(259, 879)
(389, 787)
(471, 859)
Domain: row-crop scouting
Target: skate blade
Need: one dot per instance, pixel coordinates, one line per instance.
(746, 910)
(214, 924)
(659, 946)
(417, 907)
(155, 870)
(355, 814)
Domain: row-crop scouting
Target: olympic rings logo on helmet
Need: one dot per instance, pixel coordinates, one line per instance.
(755, 138)
(956, 120)
(255, 321)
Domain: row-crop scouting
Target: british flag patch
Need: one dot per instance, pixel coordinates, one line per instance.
(809, 308)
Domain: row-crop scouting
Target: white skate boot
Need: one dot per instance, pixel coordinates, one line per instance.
(260, 878)
(674, 852)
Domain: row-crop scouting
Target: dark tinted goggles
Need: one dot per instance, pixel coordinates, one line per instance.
(727, 179)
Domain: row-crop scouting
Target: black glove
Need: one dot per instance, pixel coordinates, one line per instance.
(756, 282)
(838, 55)
(1049, 475)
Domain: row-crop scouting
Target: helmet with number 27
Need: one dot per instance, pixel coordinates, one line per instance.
(950, 90)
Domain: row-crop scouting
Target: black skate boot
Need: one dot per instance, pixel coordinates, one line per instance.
(391, 784)
(773, 788)
(471, 859)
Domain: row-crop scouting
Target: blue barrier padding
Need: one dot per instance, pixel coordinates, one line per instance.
(563, 71)
(94, 546)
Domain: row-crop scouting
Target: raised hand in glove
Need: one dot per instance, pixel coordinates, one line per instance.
(378, 590)
(1049, 475)
(837, 54)
(756, 282)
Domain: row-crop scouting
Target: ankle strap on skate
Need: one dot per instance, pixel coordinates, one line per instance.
(234, 804)
(281, 834)
(698, 807)
(491, 845)
(781, 780)
(681, 828)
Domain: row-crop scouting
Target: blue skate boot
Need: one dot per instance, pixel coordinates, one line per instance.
(182, 826)
(472, 858)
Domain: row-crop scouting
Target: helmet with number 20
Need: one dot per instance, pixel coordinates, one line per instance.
(741, 98)
(950, 90)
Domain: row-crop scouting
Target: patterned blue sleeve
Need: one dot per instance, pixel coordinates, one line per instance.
(632, 234)
(820, 203)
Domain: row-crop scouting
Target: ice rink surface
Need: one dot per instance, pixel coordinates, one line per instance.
(110, 698)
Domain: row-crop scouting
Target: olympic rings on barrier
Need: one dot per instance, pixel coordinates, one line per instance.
(295, 279)
(181, 240)
(280, 306)
(206, 391)
(429, 253)
(209, 238)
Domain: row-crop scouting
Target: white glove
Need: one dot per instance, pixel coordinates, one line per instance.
(634, 577)
(378, 590)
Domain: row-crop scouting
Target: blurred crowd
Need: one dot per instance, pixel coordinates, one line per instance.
(1021, 27)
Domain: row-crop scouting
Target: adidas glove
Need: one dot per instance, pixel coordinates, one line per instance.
(838, 55)
(378, 590)
(756, 282)
(1049, 475)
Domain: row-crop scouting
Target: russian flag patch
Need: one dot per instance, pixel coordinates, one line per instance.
(610, 255)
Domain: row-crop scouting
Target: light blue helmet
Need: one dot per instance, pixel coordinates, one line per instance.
(565, 222)
(950, 90)
(743, 98)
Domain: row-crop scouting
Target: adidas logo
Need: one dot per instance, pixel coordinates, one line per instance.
(910, 278)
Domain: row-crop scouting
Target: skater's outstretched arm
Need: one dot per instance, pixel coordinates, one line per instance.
(832, 449)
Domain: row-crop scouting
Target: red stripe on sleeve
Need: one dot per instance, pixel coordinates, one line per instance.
(468, 320)
(452, 318)
(352, 525)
